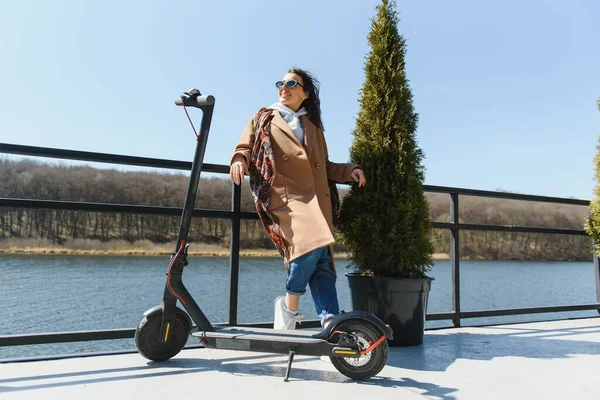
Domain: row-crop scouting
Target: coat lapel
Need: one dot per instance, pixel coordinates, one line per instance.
(310, 131)
(279, 122)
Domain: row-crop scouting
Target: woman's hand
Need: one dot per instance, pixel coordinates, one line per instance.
(236, 171)
(359, 176)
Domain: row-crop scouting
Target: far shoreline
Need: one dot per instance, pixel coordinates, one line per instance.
(243, 253)
(141, 248)
(196, 250)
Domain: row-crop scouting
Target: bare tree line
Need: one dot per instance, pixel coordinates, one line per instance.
(36, 180)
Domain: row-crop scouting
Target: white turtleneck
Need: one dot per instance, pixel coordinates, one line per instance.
(292, 118)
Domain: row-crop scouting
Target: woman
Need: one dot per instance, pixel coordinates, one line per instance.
(283, 150)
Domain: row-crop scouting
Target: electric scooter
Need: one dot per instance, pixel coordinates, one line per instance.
(355, 341)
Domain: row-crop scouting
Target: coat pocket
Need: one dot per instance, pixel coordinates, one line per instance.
(278, 196)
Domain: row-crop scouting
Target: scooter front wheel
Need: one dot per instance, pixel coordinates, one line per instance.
(149, 343)
(367, 365)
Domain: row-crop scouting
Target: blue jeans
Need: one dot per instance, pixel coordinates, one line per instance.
(313, 269)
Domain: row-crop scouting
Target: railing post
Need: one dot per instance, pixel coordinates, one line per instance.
(455, 259)
(597, 273)
(234, 253)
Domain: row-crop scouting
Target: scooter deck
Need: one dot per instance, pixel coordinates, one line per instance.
(266, 340)
(240, 333)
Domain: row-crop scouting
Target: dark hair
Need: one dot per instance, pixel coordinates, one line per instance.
(312, 104)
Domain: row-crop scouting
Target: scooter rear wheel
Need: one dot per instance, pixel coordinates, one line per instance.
(369, 364)
(147, 337)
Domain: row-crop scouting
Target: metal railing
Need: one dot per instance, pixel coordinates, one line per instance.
(235, 215)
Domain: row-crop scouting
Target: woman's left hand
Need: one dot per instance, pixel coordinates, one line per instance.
(359, 176)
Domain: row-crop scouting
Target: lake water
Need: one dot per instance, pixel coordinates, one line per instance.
(56, 293)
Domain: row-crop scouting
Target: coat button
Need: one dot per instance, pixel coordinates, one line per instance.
(326, 194)
(286, 157)
(317, 165)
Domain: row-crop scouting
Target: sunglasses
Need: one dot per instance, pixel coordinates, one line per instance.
(288, 84)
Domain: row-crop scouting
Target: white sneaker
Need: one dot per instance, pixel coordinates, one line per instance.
(284, 318)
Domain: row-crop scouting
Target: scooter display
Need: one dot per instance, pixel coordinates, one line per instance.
(355, 341)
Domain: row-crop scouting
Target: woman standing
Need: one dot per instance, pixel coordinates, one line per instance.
(284, 152)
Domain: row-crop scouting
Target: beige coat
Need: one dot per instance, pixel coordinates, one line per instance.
(300, 193)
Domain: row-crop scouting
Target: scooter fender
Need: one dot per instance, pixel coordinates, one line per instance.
(360, 315)
(158, 309)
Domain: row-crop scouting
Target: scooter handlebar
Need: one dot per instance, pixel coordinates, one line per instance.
(198, 101)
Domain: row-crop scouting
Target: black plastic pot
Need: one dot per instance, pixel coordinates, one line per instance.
(399, 302)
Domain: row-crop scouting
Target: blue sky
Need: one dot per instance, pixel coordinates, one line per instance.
(506, 91)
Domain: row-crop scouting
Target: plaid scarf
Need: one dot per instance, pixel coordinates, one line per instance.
(262, 173)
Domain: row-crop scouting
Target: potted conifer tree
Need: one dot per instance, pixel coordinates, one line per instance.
(592, 224)
(385, 225)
